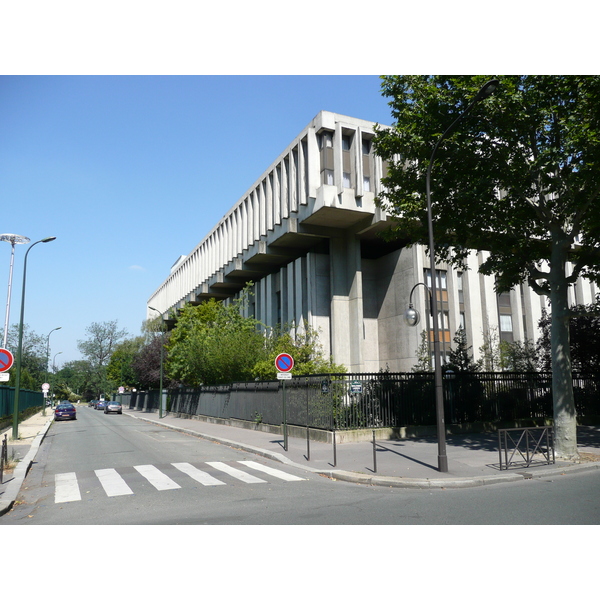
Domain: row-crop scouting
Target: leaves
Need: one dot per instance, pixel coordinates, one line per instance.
(521, 168)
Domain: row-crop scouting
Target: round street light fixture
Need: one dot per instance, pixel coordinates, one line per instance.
(412, 316)
(13, 239)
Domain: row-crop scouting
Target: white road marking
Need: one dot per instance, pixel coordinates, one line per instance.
(112, 482)
(159, 480)
(270, 470)
(197, 474)
(66, 488)
(245, 477)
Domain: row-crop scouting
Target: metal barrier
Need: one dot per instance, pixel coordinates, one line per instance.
(534, 445)
(3, 458)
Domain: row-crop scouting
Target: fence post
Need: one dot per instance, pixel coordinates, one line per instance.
(374, 454)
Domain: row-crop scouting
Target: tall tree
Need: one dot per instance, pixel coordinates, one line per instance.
(33, 357)
(97, 350)
(519, 178)
(120, 369)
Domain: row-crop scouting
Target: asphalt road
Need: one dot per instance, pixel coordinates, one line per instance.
(117, 470)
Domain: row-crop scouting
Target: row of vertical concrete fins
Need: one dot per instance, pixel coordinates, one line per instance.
(282, 216)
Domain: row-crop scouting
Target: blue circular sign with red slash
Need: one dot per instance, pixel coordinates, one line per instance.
(6, 360)
(284, 362)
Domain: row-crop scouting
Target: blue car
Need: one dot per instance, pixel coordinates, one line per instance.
(65, 411)
(100, 405)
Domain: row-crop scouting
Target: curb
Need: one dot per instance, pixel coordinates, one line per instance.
(14, 485)
(385, 481)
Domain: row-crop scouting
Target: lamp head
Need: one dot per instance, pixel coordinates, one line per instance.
(487, 90)
(48, 239)
(412, 316)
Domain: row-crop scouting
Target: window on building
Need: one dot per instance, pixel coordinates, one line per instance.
(328, 177)
(346, 143)
(325, 140)
(441, 279)
(366, 146)
(346, 180)
(506, 325)
(366, 184)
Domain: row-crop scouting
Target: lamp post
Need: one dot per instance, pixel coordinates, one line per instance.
(47, 364)
(13, 239)
(15, 431)
(488, 89)
(162, 347)
(53, 377)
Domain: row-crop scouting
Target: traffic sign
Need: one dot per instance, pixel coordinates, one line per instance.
(284, 375)
(6, 359)
(284, 362)
(45, 387)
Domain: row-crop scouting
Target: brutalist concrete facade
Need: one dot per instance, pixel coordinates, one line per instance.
(307, 234)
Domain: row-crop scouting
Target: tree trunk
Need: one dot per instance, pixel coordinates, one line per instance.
(565, 418)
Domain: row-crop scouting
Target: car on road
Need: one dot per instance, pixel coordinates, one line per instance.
(100, 405)
(65, 411)
(113, 407)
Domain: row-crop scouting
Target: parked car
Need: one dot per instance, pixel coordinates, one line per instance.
(100, 405)
(65, 410)
(92, 403)
(113, 407)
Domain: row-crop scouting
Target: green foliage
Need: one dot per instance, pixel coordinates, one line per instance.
(97, 350)
(537, 139)
(423, 355)
(304, 348)
(77, 375)
(490, 351)
(33, 357)
(213, 343)
(120, 370)
(584, 335)
(518, 178)
(460, 357)
(517, 356)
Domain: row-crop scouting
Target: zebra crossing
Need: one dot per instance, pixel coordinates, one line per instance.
(67, 487)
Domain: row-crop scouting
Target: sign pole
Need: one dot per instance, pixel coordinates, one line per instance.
(284, 364)
(285, 432)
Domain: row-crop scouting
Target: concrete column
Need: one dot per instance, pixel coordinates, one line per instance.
(346, 301)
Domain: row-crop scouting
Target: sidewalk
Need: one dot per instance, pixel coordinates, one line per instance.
(31, 434)
(473, 459)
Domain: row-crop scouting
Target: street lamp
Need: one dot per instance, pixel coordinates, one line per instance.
(162, 347)
(52, 392)
(13, 239)
(15, 431)
(488, 89)
(47, 365)
(412, 315)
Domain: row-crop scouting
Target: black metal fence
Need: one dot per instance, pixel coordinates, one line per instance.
(373, 400)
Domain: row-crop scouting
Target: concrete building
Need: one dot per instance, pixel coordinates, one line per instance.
(307, 234)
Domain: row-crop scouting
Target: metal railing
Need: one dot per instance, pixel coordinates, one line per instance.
(373, 400)
(532, 445)
(3, 458)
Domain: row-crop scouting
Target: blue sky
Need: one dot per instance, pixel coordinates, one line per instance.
(129, 169)
(130, 172)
